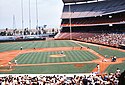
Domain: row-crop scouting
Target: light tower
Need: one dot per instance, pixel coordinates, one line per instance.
(14, 24)
(29, 16)
(37, 21)
(22, 15)
(70, 22)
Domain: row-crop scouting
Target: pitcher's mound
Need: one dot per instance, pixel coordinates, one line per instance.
(57, 55)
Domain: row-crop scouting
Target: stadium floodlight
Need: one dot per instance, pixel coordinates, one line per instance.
(22, 14)
(37, 21)
(14, 24)
(29, 16)
(70, 22)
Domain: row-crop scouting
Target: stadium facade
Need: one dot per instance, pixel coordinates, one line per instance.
(90, 21)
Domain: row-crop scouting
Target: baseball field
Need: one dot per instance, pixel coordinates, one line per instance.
(58, 57)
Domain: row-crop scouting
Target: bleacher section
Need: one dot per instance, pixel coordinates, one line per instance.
(106, 19)
(93, 9)
(101, 22)
(111, 39)
(76, 35)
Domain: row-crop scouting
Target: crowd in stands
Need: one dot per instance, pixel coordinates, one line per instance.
(91, 79)
(93, 9)
(111, 39)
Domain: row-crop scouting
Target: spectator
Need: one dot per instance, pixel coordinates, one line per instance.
(122, 79)
(106, 79)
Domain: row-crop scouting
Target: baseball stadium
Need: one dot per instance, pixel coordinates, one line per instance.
(91, 40)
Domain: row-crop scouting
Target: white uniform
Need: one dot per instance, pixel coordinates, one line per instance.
(9, 63)
(62, 52)
(21, 48)
(15, 61)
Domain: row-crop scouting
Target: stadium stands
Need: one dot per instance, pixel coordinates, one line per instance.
(106, 19)
(91, 79)
(101, 22)
(93, 9)
(112, 39)
(76, 35)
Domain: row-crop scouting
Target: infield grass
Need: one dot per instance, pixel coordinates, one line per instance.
(44, 57)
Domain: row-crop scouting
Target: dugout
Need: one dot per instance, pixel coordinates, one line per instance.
(122, 46)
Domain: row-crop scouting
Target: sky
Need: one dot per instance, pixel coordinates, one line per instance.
(49, 13)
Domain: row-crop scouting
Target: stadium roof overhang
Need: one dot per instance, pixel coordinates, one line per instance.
(74, 1)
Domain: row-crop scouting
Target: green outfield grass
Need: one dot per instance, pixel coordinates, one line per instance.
(35, 44)
(57, 43)
(44, 57)
(53, 69)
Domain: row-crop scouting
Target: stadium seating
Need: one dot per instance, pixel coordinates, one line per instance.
(84, 79)
(93, 9)
(99, 22)
(112, 39)
(76, 35)
(115, 18)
